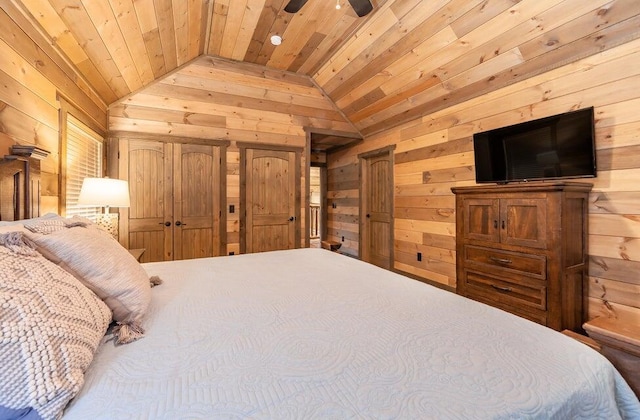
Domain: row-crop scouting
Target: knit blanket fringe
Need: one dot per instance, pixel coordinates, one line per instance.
(18, 243)
(127, 333)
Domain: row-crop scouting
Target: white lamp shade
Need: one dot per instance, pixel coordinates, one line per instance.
(104, 192)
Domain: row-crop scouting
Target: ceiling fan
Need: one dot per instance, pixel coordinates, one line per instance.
(361, 7)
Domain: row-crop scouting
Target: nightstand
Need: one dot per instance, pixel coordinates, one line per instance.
(137, 253)
(619, 340)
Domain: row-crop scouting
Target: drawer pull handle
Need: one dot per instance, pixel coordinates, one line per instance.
(500, 260)
(502, 289)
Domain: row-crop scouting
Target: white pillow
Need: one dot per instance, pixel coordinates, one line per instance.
(96, 259)
(51, 327)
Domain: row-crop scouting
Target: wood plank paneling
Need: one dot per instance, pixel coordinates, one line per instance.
(435, 153)
(31, 78)
(217, 99)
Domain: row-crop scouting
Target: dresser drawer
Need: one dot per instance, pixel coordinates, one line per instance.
(526, 292)
(514, 262)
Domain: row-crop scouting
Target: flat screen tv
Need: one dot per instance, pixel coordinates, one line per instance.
(561, 146)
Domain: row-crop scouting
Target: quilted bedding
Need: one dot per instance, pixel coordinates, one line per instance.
(307, 333)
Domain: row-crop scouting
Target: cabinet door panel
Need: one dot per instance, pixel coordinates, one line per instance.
(482, 219)
(523, 222)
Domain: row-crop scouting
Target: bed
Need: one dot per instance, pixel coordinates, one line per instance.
(297, 334)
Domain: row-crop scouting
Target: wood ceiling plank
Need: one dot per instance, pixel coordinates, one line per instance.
(250, 18)
(271, 22)
(528, 30)
(106, 24)
(153, 46)
(480, 14)
(145, 12)
(180, 9)
(431, 85)
(456, 49)
(298, 32)
(601, 15)
(587, 46)
(431, 25)
(380, 22)
(399, 68)
(75, 16)
(167, 31)
(336, 36)
(405, 23)
(310, 46)
(218, 23)
(548, 85)
(132, 34)
(47, 17)
(233, 23)
(502, 62)
(438, 62)
(198, 22)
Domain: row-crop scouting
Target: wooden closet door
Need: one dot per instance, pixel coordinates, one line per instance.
(271, 200)
(196, 190)
(377, 207)
(148, 223)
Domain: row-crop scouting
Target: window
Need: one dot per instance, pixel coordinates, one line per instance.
(81, 157)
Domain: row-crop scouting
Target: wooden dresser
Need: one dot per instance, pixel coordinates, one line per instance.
(523, 248)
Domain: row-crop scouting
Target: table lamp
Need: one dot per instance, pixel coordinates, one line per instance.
(105, 192)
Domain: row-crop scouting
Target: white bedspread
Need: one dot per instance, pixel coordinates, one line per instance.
(310, 334)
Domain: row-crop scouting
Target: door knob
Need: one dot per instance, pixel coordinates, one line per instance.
(179, 223)
(368, 216)
(291, 219)
(167, 224)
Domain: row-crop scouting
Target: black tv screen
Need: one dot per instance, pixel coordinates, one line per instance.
(561, 146)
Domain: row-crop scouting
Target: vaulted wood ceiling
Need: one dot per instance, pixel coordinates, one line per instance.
(123, 45)
(405, 60)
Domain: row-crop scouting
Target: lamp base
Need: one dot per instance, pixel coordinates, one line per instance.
(108, 222)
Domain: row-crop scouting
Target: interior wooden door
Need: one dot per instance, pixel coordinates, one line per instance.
(271, 200)
(376, 236)
(148, 223)
(196, 192)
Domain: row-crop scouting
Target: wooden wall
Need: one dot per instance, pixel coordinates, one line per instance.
(435, 152)
(217, 99)
(32, 76)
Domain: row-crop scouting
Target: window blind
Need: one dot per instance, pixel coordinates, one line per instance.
(83, 159)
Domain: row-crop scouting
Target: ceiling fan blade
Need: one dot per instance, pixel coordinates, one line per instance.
(361, 7)
(294, 6)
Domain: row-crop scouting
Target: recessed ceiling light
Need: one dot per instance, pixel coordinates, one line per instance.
(337, 4)
(276, 39)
